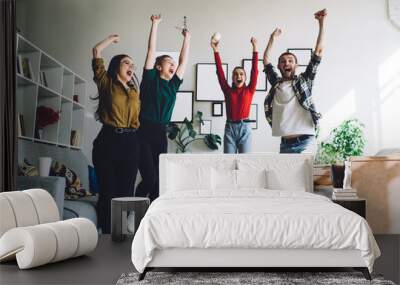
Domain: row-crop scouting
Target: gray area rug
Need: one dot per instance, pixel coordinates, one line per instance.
(243, 278)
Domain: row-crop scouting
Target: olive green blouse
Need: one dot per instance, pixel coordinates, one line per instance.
(125, 102)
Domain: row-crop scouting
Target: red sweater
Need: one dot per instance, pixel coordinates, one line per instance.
(238, 100)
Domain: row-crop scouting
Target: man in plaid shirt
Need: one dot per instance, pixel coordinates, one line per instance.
(289, 108)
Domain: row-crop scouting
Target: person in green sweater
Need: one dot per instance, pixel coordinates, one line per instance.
(160, 82)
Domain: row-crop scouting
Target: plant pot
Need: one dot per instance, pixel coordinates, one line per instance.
(337, 175)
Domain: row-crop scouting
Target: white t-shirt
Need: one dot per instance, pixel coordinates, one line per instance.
(288, 116)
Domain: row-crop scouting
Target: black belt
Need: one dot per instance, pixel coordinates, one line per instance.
(238, 121)
(295, 139)
(119, 130)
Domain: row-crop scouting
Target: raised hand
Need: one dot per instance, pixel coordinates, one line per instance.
(253, 41)
(276, 33)
(114, 38)
(186, 33)
(320, 15)
(155, 18)
(214, 44)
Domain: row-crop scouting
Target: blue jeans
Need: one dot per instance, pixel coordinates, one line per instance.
(237, 137)
(301, 144)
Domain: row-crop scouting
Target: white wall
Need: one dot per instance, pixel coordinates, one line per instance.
(358, 77)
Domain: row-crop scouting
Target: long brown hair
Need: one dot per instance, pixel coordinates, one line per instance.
(105, 103)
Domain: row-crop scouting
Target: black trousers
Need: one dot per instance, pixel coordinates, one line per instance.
(115, 159)
(153, 142)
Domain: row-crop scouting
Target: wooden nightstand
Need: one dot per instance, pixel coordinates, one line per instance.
(358, 206)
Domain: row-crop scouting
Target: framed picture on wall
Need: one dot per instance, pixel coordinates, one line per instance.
(261, 80)
(217, 109)
(303, 55)
(253, 117)
(183, 107)
(207, 85)
(205, 127)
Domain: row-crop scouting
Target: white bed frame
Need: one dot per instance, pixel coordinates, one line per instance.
(251, 258)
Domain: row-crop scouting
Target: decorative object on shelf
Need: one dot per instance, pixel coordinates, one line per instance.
(184, 134)
(253, 117)
(44, 166)
(207, 85)
(45, 116)
(217, 109)
(347, 175)
(303, 55)
(205, 127)
(345, 141)
(394, 12)
(183, 107)
(75, 138)
(261, 80)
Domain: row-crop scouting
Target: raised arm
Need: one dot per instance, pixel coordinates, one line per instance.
(220, 72)
(267, 52)
(97, 49)
(151, 49)
(254, 65)
(320, 16)
(183, 56)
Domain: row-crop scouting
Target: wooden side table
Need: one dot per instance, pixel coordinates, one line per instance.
(119, 212)
(358, 206)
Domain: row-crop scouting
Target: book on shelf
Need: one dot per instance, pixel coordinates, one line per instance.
(26, 67)
(43, 79)
(75, 138)
(21, 125)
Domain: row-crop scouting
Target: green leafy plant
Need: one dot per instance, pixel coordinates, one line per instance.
(345, 140)
(184, 134)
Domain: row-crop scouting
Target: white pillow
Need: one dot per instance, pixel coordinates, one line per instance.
(293, 180)
(182, 177)
(251, 178)
(223, 179)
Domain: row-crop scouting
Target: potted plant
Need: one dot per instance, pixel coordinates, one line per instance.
(344, 141)
(184, 134)
(44, 116)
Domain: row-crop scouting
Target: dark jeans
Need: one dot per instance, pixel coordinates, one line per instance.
(301, 144)
(153, 142)
(115, 159)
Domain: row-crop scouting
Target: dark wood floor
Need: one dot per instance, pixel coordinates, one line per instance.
(110, 260)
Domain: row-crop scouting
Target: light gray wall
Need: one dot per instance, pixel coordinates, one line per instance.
(358, 77)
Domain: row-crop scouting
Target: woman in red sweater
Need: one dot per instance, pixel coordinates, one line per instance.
(237, 137)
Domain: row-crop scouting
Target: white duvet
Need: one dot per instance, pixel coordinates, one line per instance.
(251, 218)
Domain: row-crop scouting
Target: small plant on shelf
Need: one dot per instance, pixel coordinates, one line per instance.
(184, 134)
(45, 116)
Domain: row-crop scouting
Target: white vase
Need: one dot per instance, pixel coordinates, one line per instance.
(44, 166)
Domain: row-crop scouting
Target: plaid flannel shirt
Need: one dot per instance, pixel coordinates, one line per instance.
(302, 86)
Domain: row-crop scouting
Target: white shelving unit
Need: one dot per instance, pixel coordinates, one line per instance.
(43, 81)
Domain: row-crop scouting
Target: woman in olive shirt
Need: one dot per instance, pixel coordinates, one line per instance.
(160, 82)
(116, 148)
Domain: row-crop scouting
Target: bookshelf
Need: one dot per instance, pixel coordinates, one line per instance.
(44, 81)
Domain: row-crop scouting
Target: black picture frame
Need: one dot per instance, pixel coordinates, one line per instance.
(253, 116)
(178, 114)
(217, 109)
(303, 55)
(207, 85)
(205, 128)
(262, 84)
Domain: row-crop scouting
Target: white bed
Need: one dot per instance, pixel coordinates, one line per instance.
(250, 210)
